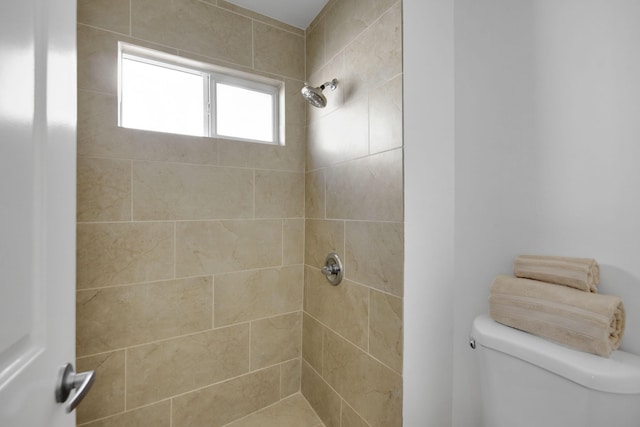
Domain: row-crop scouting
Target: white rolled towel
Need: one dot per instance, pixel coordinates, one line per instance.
(590, 322)
(578, 273)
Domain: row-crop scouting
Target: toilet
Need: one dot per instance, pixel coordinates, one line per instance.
(527, 381)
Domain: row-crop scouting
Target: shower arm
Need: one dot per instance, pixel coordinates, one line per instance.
(332, 84)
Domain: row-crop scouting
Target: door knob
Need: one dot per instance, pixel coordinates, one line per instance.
(68, 380)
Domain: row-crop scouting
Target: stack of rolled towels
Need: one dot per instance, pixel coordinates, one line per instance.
(556, 298)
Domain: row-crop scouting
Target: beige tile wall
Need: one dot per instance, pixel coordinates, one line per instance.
(352, 334)
(190, 250)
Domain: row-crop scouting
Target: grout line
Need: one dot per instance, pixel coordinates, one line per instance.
(253, 44)
(373, 288)
(324, 189)
(126, 357)
(169, 162)
(348, 342)
(131, 191)
(322, 344)
(254, 194)
(249, 358)
(211, 60)
(369, 321)
(213, 301)
(280, 383)
(333, 390)
(197, 276)
(282, 239)
(175, 250)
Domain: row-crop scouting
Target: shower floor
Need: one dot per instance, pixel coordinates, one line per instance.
(294, 411)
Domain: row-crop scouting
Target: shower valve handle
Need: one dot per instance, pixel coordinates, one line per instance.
(330, 270)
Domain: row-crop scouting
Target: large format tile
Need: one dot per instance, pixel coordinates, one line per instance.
(107, 393)
(290, 156)
(98, 58)
(295, 105)
(350, 418)
(164, 191)
(385, 116)
(279, 194)
(374, 254)
(156, 415)
(169, 368)
(275, 340)
(343, 308)
(385, 329)
(348, 18)
(367, 189)
(312, 336)
(118, 317)
(314, 194)
(104, 190)
(322, 238)
(339, 136)
(211, 247)
(119, 253)
(212, 31)
(250, 295)
(112, 15)
(371, 388)
(291, 412)
(222, 403)
(336, 99)
(289, 377)
(100, 136)
(278, 51)
(293, 241)
(323, 399)
(375, 56)
(315, 47)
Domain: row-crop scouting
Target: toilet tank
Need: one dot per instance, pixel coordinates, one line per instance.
(528, 381)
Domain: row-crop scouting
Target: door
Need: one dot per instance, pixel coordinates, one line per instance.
(37, 208)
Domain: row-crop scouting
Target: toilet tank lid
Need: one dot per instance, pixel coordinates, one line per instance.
(620, 373)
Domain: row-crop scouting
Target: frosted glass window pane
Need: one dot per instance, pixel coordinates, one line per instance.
(244, 113)
(162, 99)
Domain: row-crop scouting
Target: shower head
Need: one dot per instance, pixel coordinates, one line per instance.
(314, 95)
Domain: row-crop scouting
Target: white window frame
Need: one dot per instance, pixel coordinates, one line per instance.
(211, 74)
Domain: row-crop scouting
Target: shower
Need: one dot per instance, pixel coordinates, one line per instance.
(314, 95)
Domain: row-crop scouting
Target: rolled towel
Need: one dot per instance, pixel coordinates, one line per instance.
(579, 273)
(593, 323)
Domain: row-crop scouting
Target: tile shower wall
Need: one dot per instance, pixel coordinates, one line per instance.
(190, 250)
(352, 333)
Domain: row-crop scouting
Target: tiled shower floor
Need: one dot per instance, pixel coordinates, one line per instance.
(294, 411)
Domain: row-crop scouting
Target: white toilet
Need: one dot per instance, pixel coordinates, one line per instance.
(528, 381)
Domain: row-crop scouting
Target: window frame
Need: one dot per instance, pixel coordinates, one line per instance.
(212, 74)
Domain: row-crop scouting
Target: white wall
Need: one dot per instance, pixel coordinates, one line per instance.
(547, 145)
(494, 133)
(429, 216)
(546, 160)
(587, 153)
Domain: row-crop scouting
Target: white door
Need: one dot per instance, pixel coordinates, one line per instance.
(37, 208)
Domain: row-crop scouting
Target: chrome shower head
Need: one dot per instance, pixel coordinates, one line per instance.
(314, 95)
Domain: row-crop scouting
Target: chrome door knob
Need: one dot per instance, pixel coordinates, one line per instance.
(68, 380)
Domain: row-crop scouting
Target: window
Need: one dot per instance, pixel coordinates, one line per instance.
(165, 93)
